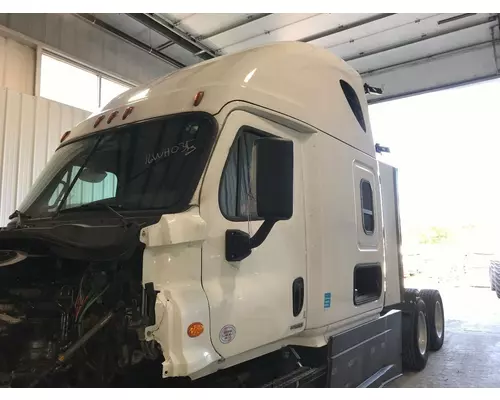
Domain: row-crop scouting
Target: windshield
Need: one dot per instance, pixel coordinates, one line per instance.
(150, 165)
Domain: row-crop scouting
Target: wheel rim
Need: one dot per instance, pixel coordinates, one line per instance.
(438, 319)
(422, 333)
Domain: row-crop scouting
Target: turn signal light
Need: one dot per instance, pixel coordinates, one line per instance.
(195, 329)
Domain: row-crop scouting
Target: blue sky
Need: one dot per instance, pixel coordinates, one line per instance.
(446, 145)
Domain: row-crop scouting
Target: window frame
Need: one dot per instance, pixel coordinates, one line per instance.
(190, 189)
(367, 232)
(242, 130)
(76, 64)
(371, 299)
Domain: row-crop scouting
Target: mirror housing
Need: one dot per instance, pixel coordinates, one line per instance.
(91, 176)
(272, 180)
(272, 185)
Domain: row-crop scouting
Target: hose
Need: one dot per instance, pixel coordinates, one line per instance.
(66, 356)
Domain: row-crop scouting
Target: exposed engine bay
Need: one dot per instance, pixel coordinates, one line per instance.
(71, 321)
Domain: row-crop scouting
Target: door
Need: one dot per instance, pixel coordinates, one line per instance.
(259, 300)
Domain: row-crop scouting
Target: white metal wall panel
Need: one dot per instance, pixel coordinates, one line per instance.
(30, 129)
(297, 30)
(207, 25)
(444, 71)
(269, 24)
(392, 25)
(88, 44)
(470, 36)
(17, 66)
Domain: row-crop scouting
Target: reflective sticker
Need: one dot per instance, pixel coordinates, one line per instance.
(227, 334)
(327, 300)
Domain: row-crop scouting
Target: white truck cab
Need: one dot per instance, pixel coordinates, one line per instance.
(244, 198)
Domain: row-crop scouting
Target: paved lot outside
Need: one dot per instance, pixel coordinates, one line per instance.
(470, 356)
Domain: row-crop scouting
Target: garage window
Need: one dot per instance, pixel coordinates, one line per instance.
(368, 217)
(76, 86)
(353, 100)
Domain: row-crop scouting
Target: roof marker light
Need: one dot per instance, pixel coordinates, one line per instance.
(64, 136)
(127, 112)
(98, 120)
(198, 98)
(112, 116)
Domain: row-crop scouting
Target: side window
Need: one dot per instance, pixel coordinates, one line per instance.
(368, 217)
(235, 199)
(353, 100)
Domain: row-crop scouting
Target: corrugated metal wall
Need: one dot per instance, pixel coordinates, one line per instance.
(17, 66)
(88, 44)
(30, 129)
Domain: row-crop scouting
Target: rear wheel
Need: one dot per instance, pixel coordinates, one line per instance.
(435, 317)
(492, 276)
(415, 337)
(496, 277)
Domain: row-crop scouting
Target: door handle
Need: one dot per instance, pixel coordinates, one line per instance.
(298, 296)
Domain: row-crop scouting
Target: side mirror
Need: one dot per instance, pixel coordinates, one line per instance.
(272, 181)
(91, 176)
(272, 185)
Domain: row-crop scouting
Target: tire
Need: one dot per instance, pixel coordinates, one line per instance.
(435, 317)
(415, 356)
(493, 268)
(411, 296)
(496, 280)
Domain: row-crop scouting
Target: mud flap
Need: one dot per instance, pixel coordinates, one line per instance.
(368, 355)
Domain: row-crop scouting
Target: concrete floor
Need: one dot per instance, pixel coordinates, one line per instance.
(470, 356)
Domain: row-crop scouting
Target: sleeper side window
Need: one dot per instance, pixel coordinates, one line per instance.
(368, 216)
(235, 198)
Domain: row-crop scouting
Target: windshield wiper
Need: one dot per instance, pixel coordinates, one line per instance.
(100, 205)
(73, 182)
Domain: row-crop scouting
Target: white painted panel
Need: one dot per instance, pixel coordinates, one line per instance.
(26, 147)
(41, 134)
(88, 44)
(3, 102)
(55, 129)
(424, 48)
(412, 31)
(391, 221)
(393, 25)
(298, 30)
(255, 28)
(10, 154)
(206, 24)
(17, 66)
(445, 71)
(30, 130)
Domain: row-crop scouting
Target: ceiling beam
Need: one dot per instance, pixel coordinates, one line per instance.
(129, 39)
(345, 27)
(169, 31)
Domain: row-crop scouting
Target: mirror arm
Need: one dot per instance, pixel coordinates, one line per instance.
(261, 234)
(239, 244)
